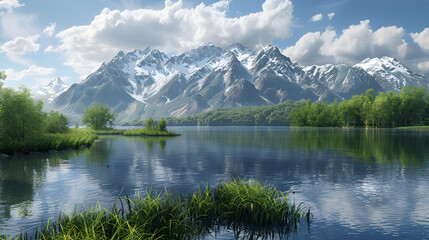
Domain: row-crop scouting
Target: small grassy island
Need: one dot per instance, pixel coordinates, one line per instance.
(247, 208)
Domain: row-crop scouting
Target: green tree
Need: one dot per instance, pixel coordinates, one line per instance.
(97, 117)
(56, 122)
(149, 124)
(19, 117)
(76, 125)
(162, 125)
(2, 78)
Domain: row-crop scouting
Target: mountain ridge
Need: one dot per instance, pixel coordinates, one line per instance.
(149, 83)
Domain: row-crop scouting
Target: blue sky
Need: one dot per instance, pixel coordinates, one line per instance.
(41, 40)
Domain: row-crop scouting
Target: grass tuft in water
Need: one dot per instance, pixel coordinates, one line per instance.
(249, 209)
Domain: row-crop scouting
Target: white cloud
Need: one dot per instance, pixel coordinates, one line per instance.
(423, 66)
(422, 38)
(32, 71)
(353, 45)
(16, 25)
(317, 17)
(21, 45)
(50, 30)
(10, 4)
(331, 15)
(173, 27)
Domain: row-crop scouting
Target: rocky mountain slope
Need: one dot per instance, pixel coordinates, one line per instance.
(149, 83)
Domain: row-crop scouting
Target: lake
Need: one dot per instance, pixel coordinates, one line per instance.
(371, 184)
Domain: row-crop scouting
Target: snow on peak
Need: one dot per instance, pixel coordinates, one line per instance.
(384, 65)
(53, 89)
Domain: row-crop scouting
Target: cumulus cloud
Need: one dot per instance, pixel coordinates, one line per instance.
(331, 15)
(9, 4)
(354, 44)
(50, 30)
(21, 45)
(174, 27)
(32, 71)
(317, 17)
(422, 38)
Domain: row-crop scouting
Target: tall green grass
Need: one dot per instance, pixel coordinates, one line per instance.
(248, 208)
(146, 132)
(74, 138)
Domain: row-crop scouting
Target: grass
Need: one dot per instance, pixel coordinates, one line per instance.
(147, 132)
(246, 207)
(109, 131)
(135, 132)
(74, 138)
(414, 127)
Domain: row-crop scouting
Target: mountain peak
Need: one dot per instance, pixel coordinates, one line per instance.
(49, 92)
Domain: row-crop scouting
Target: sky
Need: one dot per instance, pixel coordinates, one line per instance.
(42, 40)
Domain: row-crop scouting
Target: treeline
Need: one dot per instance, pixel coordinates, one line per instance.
(407, 108)
(272, 115)
(24, 127)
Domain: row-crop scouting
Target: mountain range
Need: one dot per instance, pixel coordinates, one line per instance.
(149, 83)
(52, 90)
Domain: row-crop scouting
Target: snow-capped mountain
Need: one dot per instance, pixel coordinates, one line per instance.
(148, 82)
(391, 74)
(52, 90)
(343, 80)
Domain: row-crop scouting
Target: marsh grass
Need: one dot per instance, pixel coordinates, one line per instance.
(147, 132)
(109, 131)
(73, 138)
(249, 209)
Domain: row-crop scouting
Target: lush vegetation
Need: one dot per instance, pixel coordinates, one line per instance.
(272, 115)
(246, 207)
(97, 117)
(24, 127)
(409, 107)
(147, 132)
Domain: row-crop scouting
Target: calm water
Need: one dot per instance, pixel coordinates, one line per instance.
(371, 184)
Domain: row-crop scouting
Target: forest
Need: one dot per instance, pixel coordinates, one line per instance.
(410, 107)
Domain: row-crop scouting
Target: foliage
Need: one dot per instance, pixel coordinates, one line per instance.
(148, 132)
(56, 122)
(76, 125)
(239, 206)
(20, 118)
(272, 115)
(409, 107)
(162, 125)
(97, 117)
(149, 124)
(2, 78)
(74, 138)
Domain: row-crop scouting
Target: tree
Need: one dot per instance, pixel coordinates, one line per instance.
(162, 125)
(56, 122)
(97, 117)
(19, 117)
(149, 124)
(76, 125)
(2, 78)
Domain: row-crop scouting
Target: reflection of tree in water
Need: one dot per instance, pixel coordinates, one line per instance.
(22, 175)
(381, 145)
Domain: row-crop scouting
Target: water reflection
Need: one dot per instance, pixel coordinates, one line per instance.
(351, 178)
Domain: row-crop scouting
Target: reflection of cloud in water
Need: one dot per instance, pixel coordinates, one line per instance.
(364, 206)
(420, 215)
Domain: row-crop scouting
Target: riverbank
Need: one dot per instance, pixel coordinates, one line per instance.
(73, 138)
(245, 207)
